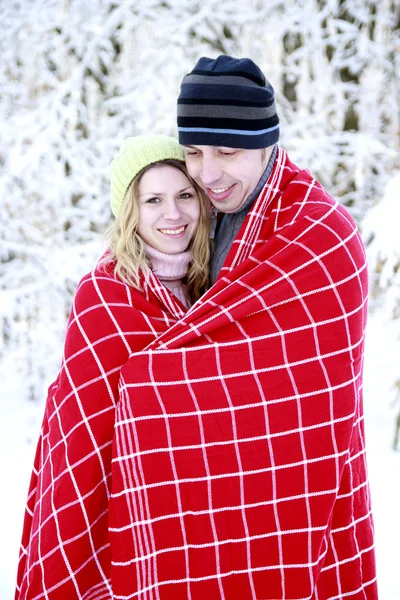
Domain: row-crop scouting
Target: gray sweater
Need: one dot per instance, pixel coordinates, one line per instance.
(225, 231)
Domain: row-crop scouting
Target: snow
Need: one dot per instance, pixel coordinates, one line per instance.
(381, 363)
(17, 448)
(384, 231)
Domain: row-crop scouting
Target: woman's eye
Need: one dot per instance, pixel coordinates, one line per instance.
(186, 196)
(154, 200)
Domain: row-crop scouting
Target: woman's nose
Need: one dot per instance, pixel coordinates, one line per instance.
(172, 212)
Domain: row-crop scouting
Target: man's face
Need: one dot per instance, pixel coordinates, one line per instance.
(228, 175)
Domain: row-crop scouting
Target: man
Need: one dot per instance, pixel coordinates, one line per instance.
(315, 282)
(228, 123)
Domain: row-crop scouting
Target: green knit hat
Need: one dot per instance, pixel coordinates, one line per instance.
(135, 154)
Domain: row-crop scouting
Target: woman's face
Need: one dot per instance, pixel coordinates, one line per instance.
(169, 209)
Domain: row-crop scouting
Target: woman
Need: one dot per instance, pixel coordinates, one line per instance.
(155, 268)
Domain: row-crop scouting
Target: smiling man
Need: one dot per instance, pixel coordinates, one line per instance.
(284, 322)
(229, 126)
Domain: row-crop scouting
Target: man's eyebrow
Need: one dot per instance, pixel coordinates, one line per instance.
(189, 146)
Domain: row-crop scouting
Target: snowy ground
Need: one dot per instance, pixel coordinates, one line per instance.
(19, 424)
(381, 368)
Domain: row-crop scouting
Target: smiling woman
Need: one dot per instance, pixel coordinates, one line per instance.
(155, 268)
(153, 197)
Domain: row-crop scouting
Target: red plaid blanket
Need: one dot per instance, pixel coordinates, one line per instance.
(238, 458)
(65, 550)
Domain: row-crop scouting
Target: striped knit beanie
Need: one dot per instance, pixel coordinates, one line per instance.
(135, 154)
(227, 102)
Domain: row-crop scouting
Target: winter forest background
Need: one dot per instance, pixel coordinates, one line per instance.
(77, 77)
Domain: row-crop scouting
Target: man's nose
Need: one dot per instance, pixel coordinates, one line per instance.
(210, 172)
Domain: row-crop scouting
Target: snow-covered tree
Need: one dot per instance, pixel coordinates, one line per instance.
(76, 78)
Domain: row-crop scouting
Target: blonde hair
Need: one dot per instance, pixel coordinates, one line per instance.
(127, 252)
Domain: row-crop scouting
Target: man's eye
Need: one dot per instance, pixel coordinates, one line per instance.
(193, 153)
(228, 153)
